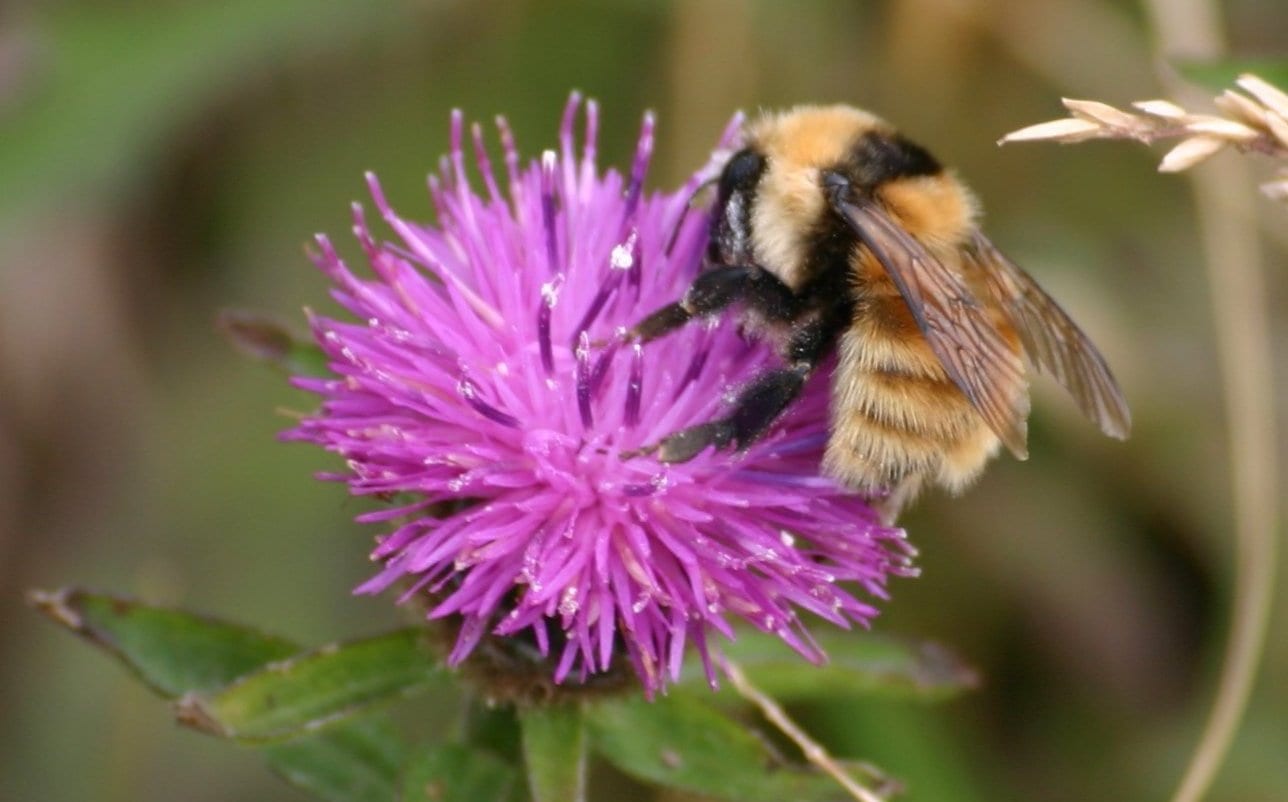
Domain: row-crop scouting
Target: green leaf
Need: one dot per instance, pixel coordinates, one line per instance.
(1219, 75)
(456, 773)
(358, 762)
(300, 695)
(679, 741)
(554, 751)
(859, 663)
(494, 728)
(173, 652)
(267, 339)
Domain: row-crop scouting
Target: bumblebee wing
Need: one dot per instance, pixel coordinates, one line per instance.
(972, 351)
(1052, 340)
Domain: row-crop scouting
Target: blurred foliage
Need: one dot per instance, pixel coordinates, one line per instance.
(162, 160)
(302, 709)
(1222, 75)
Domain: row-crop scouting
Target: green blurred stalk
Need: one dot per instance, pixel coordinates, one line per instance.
(1228, 231)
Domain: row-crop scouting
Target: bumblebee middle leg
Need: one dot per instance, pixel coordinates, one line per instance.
(758, 406)
(760, 403)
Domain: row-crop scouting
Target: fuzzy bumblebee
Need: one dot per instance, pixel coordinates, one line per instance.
(834, 233)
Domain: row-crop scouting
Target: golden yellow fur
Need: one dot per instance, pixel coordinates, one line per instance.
(938, 208)
(797, 145)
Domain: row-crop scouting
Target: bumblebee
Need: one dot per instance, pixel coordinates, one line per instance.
(833, 233)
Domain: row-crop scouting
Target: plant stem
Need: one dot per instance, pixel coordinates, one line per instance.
(811, 749)
(1228, 231)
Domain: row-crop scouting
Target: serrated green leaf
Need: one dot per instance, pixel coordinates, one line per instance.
(554, 752)
(172, 651)
(358, 762)
(859, 663)
(305, 693)
(457, 773)
(680, 741)
(267, 339)
(1219, 75)
(175, 652)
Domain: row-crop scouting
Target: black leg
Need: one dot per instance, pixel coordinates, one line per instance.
(761, 402)
(772, 299)
(758, 406)
(717, 288)
(686, 444)
(710, 292)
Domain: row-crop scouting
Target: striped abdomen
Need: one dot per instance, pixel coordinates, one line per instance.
(897, 418)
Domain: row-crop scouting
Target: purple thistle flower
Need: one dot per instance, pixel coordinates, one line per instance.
(486, 369)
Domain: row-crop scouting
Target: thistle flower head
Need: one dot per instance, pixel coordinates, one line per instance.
(482, 384)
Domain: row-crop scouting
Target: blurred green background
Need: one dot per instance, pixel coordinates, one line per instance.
(161, 160)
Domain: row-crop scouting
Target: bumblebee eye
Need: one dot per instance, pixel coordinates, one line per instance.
(730, 240)
(741, 173)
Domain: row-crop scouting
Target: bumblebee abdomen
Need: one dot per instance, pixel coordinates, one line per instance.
(895, 412)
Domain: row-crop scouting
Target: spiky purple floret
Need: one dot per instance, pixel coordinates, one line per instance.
(485, 368)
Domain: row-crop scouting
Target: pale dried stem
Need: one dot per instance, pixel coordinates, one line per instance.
(1227, 226)
(811, 749)
(1228, 231)
(1232, 254)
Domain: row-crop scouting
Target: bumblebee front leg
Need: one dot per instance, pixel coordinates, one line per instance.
(710, 292)
(714, 290)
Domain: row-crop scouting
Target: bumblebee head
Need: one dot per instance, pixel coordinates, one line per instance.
(773, 204)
